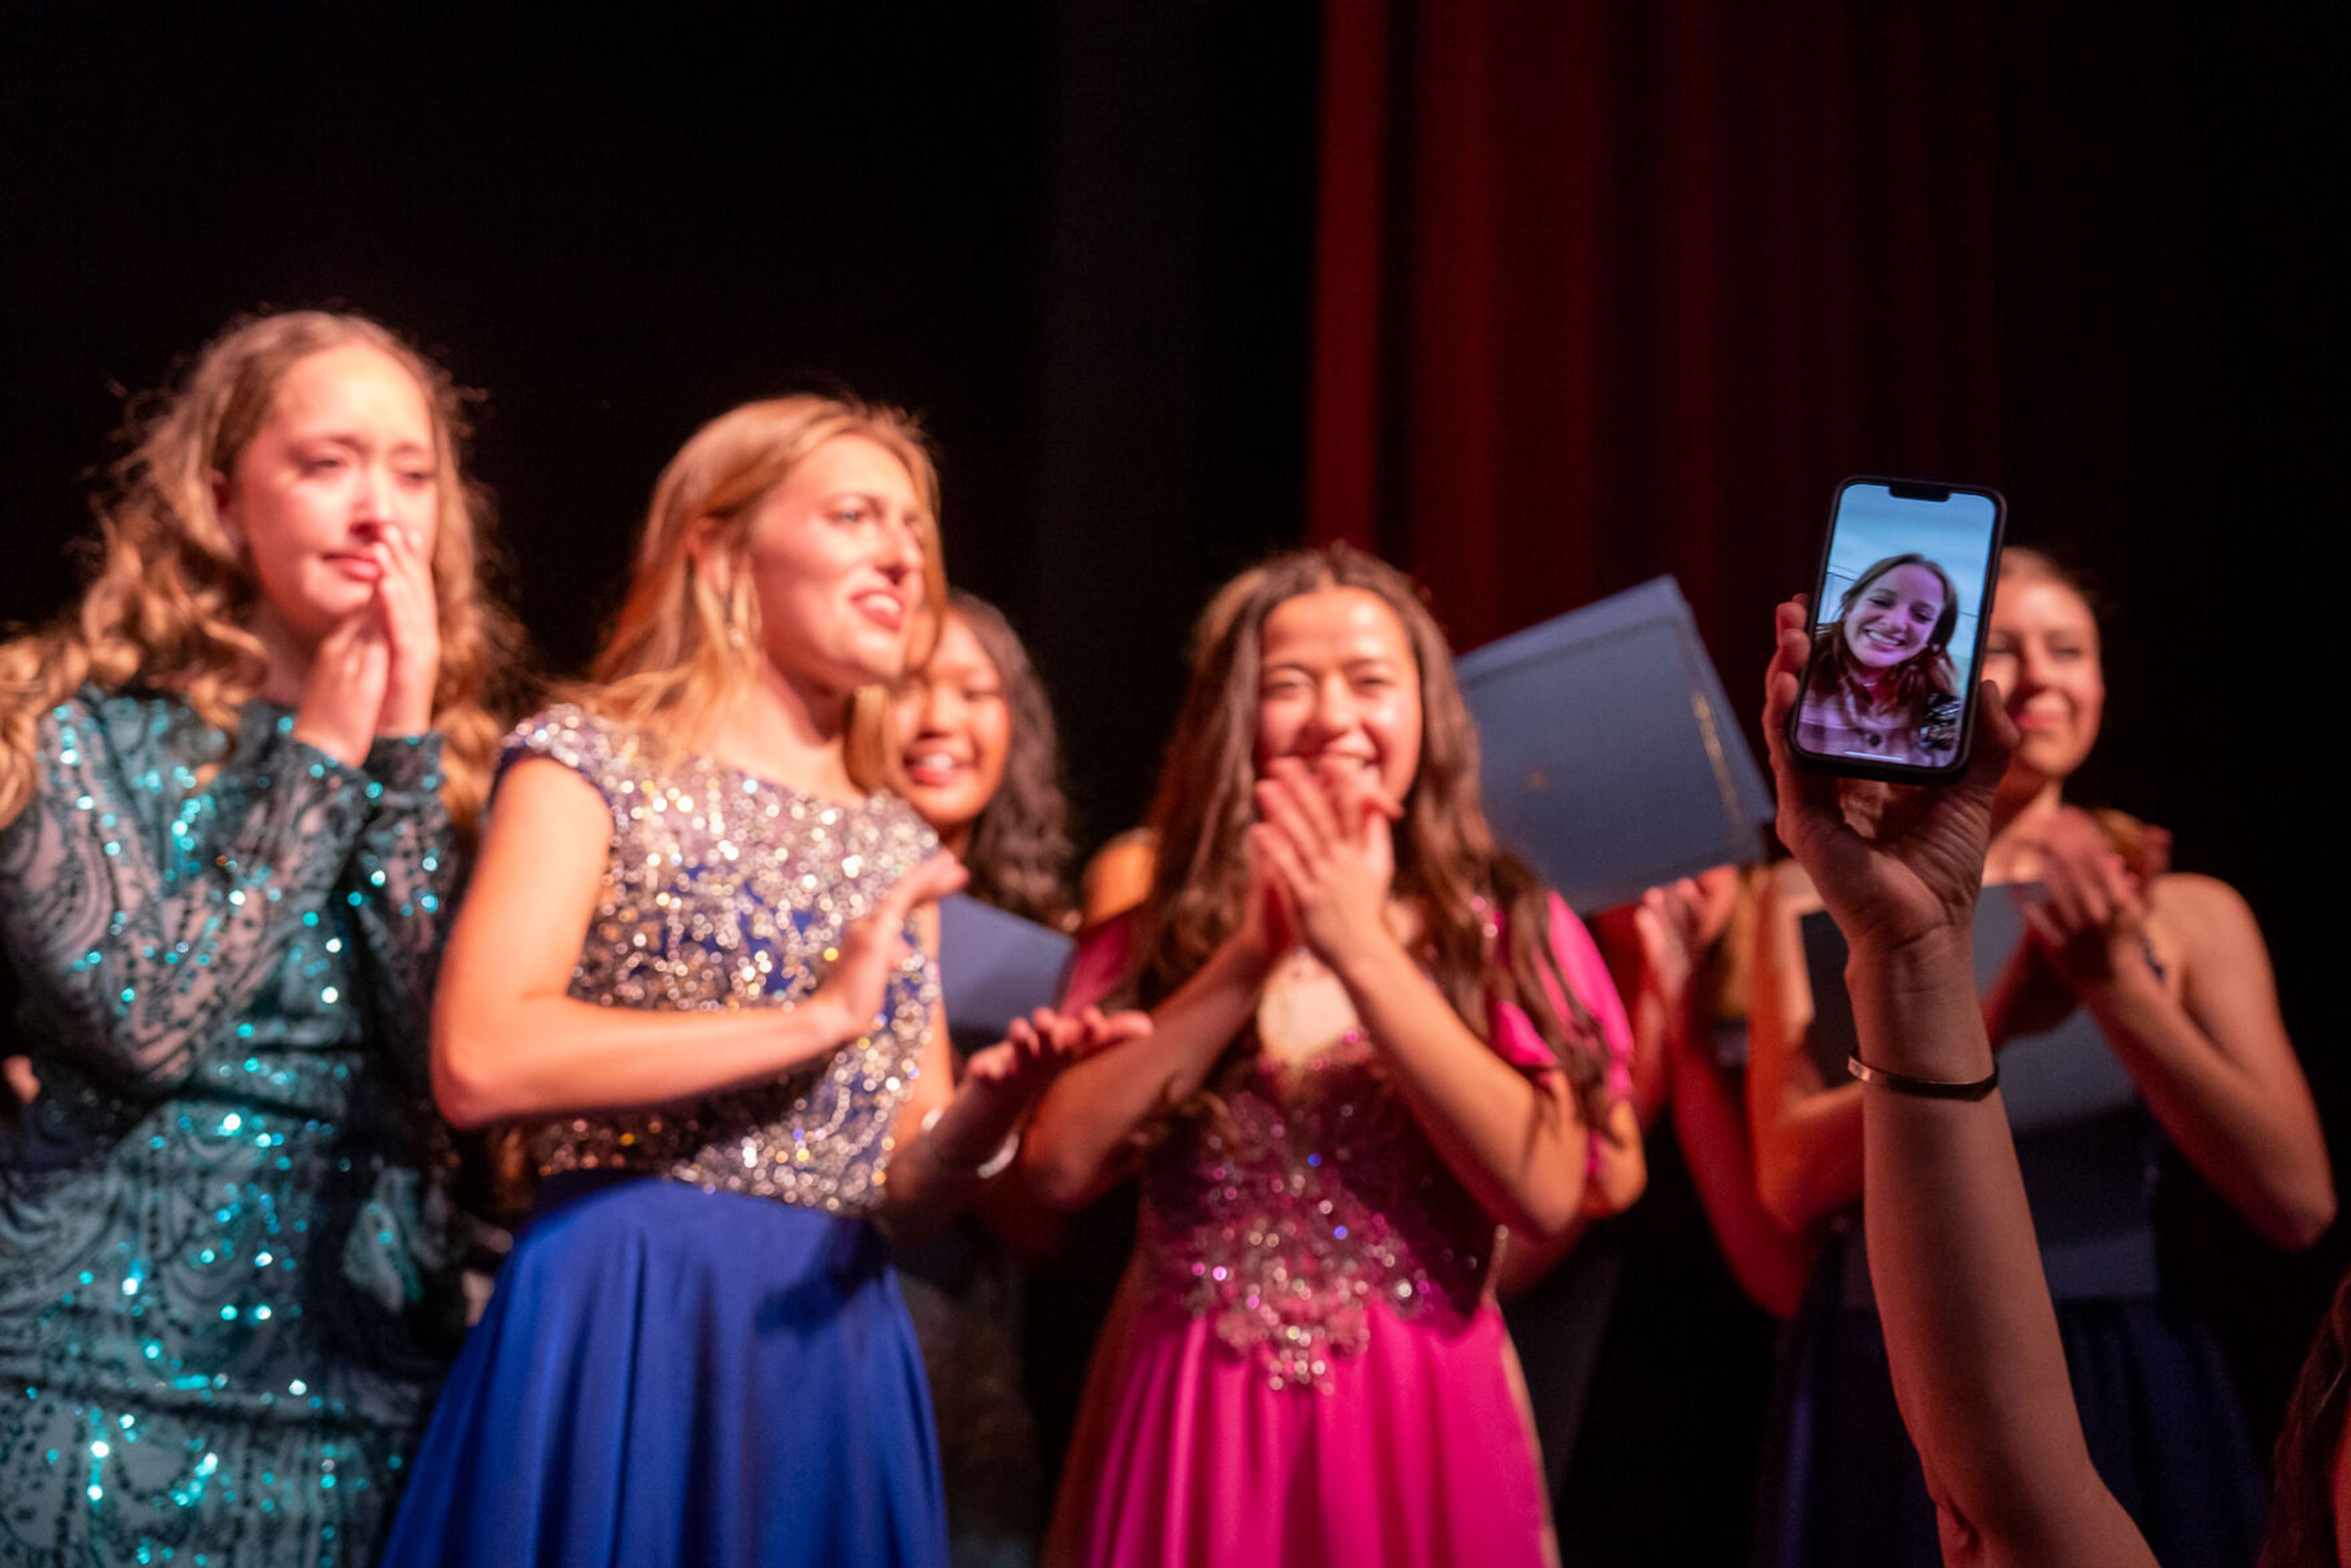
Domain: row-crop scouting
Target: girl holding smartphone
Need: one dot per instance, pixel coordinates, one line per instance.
(2131, 1007)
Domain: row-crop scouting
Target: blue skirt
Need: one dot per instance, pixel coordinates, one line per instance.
(1841, 1486)
(671, 1376)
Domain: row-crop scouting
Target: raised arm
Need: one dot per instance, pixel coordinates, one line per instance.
(2207, 1048)
(956, 1140)
(1977, 1368)
(1516, 1140)
(405, 874)
(508, 1040)
(1078, 1141)
(1806, 1128)
(149, 954)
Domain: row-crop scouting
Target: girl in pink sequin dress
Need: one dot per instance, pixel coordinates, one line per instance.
(1377, 1041)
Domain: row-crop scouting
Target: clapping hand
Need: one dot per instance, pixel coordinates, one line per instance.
(1036, 1049)
(872, 948)
(2091, 929)
(1002, 1082)
(1325, 838)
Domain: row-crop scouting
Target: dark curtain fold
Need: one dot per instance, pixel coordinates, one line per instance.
(1606, 290)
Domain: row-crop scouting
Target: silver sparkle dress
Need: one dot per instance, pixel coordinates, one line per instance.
(697, 1353)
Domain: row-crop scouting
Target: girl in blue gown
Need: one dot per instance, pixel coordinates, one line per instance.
(231, 785)
(700, 951)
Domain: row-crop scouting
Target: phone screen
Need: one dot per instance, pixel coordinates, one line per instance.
(1898, 629)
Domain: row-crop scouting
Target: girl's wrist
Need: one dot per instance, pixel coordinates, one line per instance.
(968, 1135)
(2133, 984)
(828, 1019)
(1243, 962)
(1371, 956)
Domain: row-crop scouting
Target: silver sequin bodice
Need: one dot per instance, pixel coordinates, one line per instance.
(724, 890)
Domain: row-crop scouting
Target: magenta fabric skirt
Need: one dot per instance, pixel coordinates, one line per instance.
(1421, 1451)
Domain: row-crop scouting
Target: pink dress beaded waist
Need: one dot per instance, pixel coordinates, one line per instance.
(1290, 1210)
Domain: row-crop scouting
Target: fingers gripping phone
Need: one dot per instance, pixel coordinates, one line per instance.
(1900, 618)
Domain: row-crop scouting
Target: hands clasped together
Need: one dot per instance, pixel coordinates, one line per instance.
(1321, 864)
(376, 670)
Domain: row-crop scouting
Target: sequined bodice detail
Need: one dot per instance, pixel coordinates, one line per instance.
(728, 891)
(1306, 1200)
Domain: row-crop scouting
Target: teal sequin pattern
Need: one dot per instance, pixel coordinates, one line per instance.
(225, 1297)
(725, 890)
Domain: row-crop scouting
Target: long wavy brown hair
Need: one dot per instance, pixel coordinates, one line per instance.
(1447, 860)
(171, 603)
(2302, 1509)
(1020, 849)
(688, 637)
(1926, 673)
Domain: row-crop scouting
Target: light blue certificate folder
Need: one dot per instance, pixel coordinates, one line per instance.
(994, 967)
(1613, 762)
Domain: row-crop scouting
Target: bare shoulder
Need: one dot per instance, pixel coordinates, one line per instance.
(544, 818)
(2211, 928)
(1119, 876)
(534, 784)
(2191, 904)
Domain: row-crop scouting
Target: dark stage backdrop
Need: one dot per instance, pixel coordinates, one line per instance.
(1609, 290)
(1076, 239)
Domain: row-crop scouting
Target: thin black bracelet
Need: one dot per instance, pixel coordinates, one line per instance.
(1921, 1088)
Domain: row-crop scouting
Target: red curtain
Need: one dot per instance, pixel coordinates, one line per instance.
(1607, 290)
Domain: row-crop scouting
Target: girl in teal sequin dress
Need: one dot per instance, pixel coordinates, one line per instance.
(227, 784)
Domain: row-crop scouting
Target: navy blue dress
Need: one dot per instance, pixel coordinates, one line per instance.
(697, 1353)
(1841, 1484)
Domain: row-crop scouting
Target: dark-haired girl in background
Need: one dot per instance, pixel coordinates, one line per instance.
(973, 748)
(978, 755)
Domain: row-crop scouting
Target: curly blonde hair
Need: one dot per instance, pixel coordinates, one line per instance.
(688, 636)
(172, 599)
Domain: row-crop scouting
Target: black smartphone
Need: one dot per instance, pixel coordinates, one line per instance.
(1899, 617)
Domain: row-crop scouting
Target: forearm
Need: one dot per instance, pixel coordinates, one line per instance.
(1077, 1140)
(2260, 1147)
(180, 959)
(1978, 1367)
(1520, 1149)
(942, 1148)
(1806, 1133)
(551, 1055)
(1808, 1154)
(405, 873)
